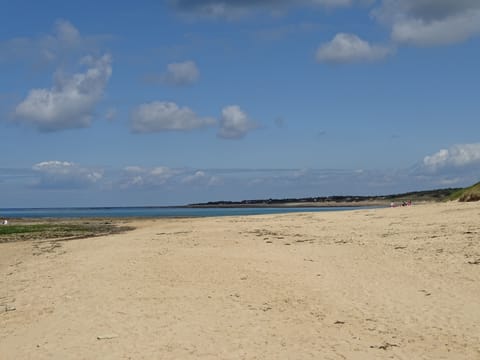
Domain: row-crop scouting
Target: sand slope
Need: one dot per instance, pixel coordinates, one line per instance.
(400, 283)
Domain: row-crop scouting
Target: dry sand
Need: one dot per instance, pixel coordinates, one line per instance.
(401, 283)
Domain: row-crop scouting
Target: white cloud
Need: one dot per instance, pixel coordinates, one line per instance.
(458, 156)
(70, 103)
(348, 48)
(64, 40)
(165, 177)
(66, 33)
(438, 32)
(232, 9)
(234, 123)
(201, 178)
(182, 73)
(53, 166)
(164, 116)
(163, 172)
(65, 175)
(424, 9)
(137, 185)
(430, 22)
(139, 177)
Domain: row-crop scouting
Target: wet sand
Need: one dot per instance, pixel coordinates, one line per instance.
(400, 283)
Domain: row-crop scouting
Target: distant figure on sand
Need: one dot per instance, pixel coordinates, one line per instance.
(5, 222)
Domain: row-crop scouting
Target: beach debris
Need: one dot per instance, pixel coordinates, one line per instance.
(244, 277)
(384, 346)
(425, 292)
(107, 337)
(7, 308)
(475, 262)
(400, 247)
(338, 322)
(266, 307)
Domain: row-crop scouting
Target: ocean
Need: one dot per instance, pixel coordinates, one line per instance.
(126, 212)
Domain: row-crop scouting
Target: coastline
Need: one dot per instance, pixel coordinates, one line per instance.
(326, 204)
(110, 213)
(377, 283)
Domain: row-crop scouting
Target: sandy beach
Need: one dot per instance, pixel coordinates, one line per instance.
(395, 283)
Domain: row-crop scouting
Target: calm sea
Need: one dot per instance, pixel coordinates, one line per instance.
(154, 211)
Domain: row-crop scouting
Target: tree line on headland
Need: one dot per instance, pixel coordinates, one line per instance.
(471, 193)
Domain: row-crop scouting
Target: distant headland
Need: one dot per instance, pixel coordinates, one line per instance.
(338, 200)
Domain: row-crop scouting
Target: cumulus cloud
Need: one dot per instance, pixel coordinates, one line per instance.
(65, 175)
(71, 101)
(430, 22)
(235, 123)
(458, 156)
(66, 33)
(438, 32)
(166, 116)
(181, 73)
(65, 39)
(348, 48)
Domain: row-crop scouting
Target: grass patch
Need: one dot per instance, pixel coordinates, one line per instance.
(22, 229)
(64, 231)
(471, 193)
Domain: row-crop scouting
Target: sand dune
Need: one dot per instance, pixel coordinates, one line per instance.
(401, 283)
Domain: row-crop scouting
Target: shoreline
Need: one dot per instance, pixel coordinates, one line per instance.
(234, 205)
(125, 213)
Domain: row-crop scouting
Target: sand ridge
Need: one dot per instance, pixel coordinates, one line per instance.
(401, 283)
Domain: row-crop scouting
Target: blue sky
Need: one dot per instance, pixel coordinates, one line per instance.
(170, 102)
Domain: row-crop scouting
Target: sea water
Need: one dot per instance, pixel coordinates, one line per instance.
(107, 212)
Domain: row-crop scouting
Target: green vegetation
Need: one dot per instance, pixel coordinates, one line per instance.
(471, 193)
(60, 231)
(427, 196)
(342, 200)
(21, 229)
